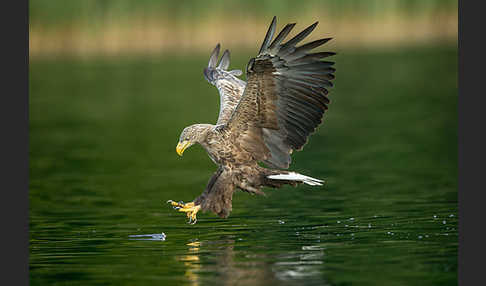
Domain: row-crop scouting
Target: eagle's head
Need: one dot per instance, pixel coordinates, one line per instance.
(195, 133)
(215, 71)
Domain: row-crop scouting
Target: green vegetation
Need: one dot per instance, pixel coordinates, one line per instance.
(115, 28)
(61, 11)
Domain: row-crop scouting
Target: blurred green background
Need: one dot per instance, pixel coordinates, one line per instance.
(113, 83)
(111, 27)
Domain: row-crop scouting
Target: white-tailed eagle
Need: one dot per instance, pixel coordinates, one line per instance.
(261, 120)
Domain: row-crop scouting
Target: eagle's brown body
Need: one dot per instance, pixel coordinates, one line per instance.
(261, 120)
(238, 168)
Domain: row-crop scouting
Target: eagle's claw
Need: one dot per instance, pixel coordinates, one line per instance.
(189, 208)
(192, 221)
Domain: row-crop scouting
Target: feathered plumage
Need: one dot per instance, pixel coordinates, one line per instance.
(261, 120)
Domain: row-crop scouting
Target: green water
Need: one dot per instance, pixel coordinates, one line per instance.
(103, 164)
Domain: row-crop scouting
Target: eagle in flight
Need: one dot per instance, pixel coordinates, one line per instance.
(261, 120)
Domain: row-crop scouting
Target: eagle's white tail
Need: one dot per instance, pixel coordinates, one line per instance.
(292, 176)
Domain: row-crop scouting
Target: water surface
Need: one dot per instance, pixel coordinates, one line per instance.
(103, 164)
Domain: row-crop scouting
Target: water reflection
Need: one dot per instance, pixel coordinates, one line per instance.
(217, 262)
(306, 264)
(192, 262)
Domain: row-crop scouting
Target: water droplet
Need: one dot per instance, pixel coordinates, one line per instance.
(352, 218)
(420, 237)
(369, 225)
(443, 222)
(338, 221)
(435, 216)
(451, 215)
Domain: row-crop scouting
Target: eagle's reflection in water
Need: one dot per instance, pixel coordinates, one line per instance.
(218, 263)
(192, 262)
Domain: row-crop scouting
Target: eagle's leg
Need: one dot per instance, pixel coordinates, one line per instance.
(245, 186)
(190, 209)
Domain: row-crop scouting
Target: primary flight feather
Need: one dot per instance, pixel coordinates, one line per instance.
(261, 120)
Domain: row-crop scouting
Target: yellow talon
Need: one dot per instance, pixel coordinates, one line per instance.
(189, 208)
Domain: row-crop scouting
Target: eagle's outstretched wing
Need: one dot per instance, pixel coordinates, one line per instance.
(285, 97)
(229, 86)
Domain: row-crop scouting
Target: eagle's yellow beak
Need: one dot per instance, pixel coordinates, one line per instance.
(181, 146)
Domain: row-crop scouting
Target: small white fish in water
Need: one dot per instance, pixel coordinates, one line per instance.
(155, 236)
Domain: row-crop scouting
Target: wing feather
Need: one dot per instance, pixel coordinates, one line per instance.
(229, 86)
(225, 61)
(269, 35)
(285, 97)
